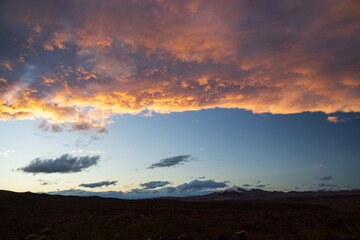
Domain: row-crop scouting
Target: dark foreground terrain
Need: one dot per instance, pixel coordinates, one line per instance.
(35, 216)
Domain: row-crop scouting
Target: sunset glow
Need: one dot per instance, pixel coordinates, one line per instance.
(119, 79)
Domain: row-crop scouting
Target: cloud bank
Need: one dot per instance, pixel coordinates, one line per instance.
(76, 64)
(64, 164)
(98, 184)
(172, 161)
(192, 188)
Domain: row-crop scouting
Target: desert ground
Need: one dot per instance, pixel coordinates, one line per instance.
(40, 216)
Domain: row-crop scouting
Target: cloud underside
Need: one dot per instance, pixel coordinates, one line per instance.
(194, 187)
(64, 164)
(116, 57)
(171, 161)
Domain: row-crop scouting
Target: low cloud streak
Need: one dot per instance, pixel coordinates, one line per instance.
(172, 161)
(98, 184)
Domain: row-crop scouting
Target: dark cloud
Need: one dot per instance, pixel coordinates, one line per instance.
(154, 184)
(247, 185)
(260, 186)
(172, 161)
(197, 185)
(324, 185)
(64, 164)
(98, 184)
(326, 178)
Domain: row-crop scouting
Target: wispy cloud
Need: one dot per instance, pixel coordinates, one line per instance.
(64, 164)
(172, 161)
(46, 182)
(326, 185)
(319, 165)
(98, 184)
(177, 57)
(6, 153)
(337, 119)
(88, 151)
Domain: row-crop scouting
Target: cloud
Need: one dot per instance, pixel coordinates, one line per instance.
(45, 126)
(326, 178)
(172, 161)
(6, 153)
(200, 185)
(192, 188)
(98, 184)
(45, 182)
(247, 185)
(64, 164)
(154, 184)
(260, 186)
(319, 165)
(325, 185)
(88, 151)
(85, 126)
(336, 119)
(128, 57)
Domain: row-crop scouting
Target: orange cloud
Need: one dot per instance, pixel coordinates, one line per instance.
(125, 57)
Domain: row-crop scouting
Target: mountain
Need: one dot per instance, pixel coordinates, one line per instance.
(233, 190)
(240, 194)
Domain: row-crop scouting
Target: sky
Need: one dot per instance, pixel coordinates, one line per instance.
(148, 98)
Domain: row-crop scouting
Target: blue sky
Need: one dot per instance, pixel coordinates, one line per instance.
(284, 152)
(149, 98)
